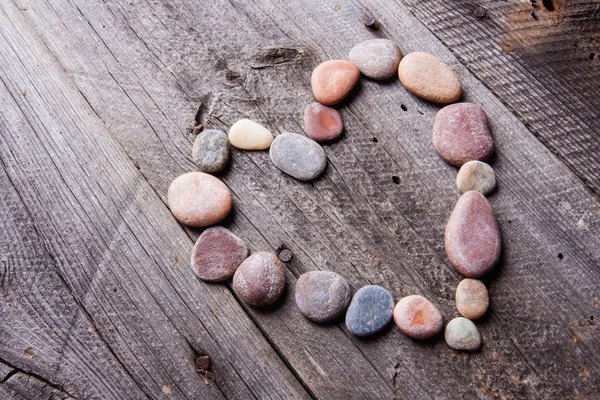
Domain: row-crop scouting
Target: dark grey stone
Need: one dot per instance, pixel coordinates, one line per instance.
(211, 150)
(370, 310)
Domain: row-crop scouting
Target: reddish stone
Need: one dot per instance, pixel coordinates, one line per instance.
(260, 279)
(322, 123)
(418, 317)
(472, 236)
(461, 134)
(217, 254)
(333, 80)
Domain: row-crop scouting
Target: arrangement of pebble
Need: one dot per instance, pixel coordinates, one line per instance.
(472, 239)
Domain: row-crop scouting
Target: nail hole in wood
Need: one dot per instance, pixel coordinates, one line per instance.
(534, 15)
(396, 180)
(548, 5)
(403, 107)
(375, 140)
(560, 256)
(592, 56)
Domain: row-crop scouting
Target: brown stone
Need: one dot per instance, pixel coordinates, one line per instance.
(322, 123)
(198, 199)
(461, 134)
(472, 299)
(429, 78)
(260, 279)
(418, 317)
(472, 236)
(333, 80)
(217, 254)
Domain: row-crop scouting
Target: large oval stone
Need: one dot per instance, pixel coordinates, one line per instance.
(472, 236)
(198, 199)
(370, 310)
(376, 58)
(322, 295)
(211, 150)
(217, 254)
(298, 156)
(418, 317)
(461, 134)
(322, 123)
(429, 78)
(333, 80)
(246, 134)
(462, 334)
(260, 279)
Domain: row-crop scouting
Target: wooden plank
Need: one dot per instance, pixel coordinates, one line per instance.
(541, 58)
(96, 297)
(144, 68)
(17, 385)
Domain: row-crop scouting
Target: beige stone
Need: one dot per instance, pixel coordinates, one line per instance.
(476, 175)
(429, 78)
(246, 134)
(472, 299)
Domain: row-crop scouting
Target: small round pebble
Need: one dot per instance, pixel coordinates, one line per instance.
(418, 317)
(260, 279)
(472, 299)
(333, 80)
(246, 134)
(472, 237)
(376, 58)
(370, 310)
(298, 156)
(461, 134)
(198, 199)
(322, 123)
(217, 254)
(462, 334)
(476, 175)
(211, 150)
(428, 77)
(322, 296)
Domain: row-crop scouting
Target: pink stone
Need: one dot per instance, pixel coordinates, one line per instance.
(322, 123)
(461, 134)
(333, 80)
(472, 236)
(418, 317)
(198, 199)
(260, 279)
(217, 254)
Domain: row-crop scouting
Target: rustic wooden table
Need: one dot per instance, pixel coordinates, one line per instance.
(97, 299)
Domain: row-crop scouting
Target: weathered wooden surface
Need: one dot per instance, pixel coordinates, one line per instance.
(97, 297)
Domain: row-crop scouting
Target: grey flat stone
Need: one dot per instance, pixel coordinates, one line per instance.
(298, 156)
(211, 150)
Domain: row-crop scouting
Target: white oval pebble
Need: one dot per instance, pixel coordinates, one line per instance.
(246, 134)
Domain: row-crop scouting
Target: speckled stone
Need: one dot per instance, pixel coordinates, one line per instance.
(461, 134)
(217, 254)
(333, 80)
(476, 175)
(322, 123)
(472, 236)
(322, 296)
(472, 299)
(418, 317)
(376, 58)
(298, 156)
(370, 310)
(198, 199)
(462, 334)
(260, 279)
(211, 150)
(429, 78)
(246, 134)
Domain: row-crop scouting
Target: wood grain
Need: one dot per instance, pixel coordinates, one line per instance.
(144, 68)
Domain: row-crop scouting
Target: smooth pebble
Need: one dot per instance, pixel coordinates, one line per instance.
(333, 80)
(376, 58)
(322, 296)
(198, 199)
(472, 237)
(260, 279)
(462, 334)
(298, 156)
(246, 134)
(370, 310)
(476, 175)
(472, 299)
(211, 150)
(322, 123)
(217, 254)
(428, 77)
(418, 317)
(461, 134)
